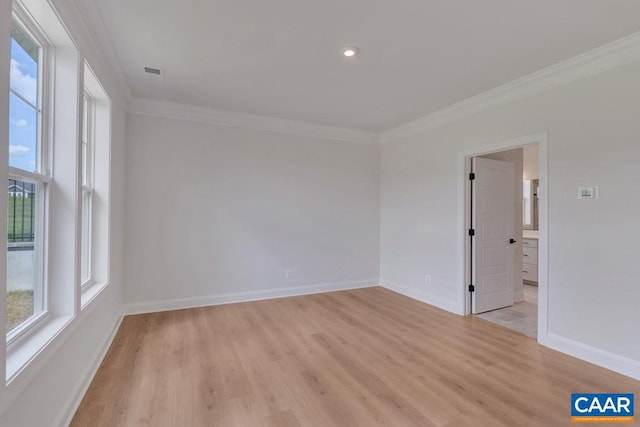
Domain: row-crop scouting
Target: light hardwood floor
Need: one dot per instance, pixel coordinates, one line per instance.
(365, 357)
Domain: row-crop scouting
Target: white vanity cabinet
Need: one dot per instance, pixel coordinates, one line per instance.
(530, 260)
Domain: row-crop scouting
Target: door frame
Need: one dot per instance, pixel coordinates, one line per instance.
(464, 219)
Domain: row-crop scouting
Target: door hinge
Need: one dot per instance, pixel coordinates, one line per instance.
(472, 232)
(472, 176)
(472, 288)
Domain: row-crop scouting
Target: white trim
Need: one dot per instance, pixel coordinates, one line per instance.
(170, 110)
(90, 292)
(31, 177)
(25, 329)
(69, 409)
(542, 139)
(59, 330)
(519, 296)
(230, 298)
(28, 359)
(543, 236)
(608, 360)
(598, 60)
(93, 25)
(444, 304)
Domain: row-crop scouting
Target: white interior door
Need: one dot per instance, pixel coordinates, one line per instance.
(492, 216)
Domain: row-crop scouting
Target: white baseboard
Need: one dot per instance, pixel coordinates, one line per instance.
(518, 296)
(81, 388)
(229, 298)
(605, 359)
(448, 305)
(612, 361)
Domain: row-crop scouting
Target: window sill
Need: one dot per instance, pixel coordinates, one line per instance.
(27, 327)
(90, 292)
(26, 350)
(23, 353)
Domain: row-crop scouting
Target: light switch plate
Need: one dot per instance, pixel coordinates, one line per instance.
(588, 192)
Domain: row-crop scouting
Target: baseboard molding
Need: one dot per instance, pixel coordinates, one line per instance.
(230, 298)
(448, 305)
(519, 296)
(612, 361)
(81, 389)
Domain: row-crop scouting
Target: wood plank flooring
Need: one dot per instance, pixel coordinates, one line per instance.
(366, 357)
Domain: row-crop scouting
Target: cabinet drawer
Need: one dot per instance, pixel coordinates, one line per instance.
(530, 272)
(530, 255)
(529, 243)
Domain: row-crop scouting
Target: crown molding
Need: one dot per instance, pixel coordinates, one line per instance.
(94, 27)
(598, 60)
(170, 110)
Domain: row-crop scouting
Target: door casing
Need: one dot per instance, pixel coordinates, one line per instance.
(464, 220)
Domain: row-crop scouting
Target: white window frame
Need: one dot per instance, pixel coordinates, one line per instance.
(88, 180)
(59, 147)
(41, 178)
(100, 178)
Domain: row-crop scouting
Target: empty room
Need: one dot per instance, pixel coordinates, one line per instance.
(286, 213)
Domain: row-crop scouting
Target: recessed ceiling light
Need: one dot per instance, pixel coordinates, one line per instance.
(350, 51)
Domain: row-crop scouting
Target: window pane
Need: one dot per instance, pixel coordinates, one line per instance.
(23, 291)
(85, 118)
(23, 134)
(85, 270)
(85, 154)
(24, 64)
(86, 142)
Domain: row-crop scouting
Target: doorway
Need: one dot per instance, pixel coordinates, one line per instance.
(501, 245)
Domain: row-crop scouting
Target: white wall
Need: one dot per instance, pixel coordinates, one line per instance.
(216, 211)
(594, 139)
(515, 157)
(61, 372)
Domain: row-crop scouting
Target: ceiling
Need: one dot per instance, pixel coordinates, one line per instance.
(282, 58)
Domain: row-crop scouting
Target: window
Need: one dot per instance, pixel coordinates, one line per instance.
(87, 188)
(95, 176)
(24, 101)
(58, 185)
(28, 182)
(57, 165)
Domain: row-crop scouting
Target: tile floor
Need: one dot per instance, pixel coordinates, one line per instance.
(521, 316)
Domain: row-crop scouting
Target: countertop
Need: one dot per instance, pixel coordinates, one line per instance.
(530, 234)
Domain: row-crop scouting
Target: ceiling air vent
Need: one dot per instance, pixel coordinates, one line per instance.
(154, 73)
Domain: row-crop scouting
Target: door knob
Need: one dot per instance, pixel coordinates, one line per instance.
(512, 241)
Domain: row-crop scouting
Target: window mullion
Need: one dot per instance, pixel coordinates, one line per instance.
(25, 100)
(23, 175)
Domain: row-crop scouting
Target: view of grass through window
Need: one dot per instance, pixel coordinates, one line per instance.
(20, 239)
(19, 307)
